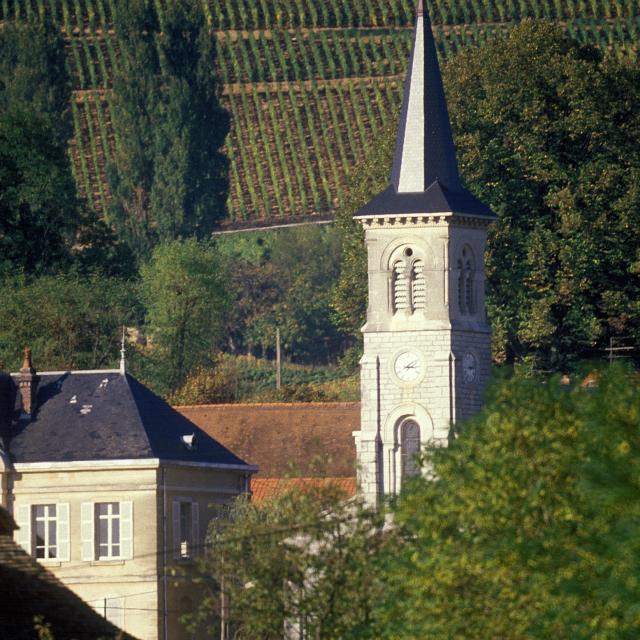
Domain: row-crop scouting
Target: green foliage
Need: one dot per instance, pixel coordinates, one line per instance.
(186, 305)
(43, 227)
(70, 321)
(546, 133)
(232, 378)
(305, 557)
(528, 526)
(168, 177)
(371, 176)
(285, 282)
(37, 192)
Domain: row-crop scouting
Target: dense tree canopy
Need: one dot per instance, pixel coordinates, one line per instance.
(37, 191)
(185, 301)
(169, 177)
(70, 321)
(547, 135)
(283, 280)
(43, 226)
(304, 560)
(526, 526)
(529, 525)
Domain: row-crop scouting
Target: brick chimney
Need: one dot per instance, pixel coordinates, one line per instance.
(28, 383)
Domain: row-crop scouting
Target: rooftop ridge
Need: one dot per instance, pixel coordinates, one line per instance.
(69, 371)
(227, 405)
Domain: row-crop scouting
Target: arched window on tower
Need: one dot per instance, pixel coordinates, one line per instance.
(409, 448)
(418, 286)
(466, 273)
(400, 286)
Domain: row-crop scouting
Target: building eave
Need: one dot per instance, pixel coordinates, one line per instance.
(123, 464)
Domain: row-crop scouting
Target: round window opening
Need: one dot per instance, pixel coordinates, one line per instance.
(408, 251)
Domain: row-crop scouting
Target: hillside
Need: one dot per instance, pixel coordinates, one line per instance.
(308, 84)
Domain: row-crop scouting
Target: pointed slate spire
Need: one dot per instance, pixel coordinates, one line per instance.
(424, 177)
(424, 149)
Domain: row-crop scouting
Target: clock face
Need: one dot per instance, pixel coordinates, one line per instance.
(408, 366)
(469, 367)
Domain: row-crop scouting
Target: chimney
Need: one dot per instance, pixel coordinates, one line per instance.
(28, 383)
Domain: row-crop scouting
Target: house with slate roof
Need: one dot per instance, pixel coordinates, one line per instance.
(111, 490)
(29, 592)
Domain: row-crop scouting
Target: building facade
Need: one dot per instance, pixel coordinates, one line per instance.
(426, 338)
(112, 491)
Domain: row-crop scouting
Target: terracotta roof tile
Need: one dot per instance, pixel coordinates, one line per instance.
(263, 489)
(305, 438)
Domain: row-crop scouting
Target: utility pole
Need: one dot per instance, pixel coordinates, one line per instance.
(278, 362)
(224, 612)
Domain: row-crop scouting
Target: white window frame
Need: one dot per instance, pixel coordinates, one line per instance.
(112, 519)
(49, 517)
(25, 535)
(90, 549)
(185, 547)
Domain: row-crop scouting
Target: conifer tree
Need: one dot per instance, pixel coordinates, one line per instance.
(37, 191)
(169, 177)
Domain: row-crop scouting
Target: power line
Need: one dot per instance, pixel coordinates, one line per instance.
(219, 540)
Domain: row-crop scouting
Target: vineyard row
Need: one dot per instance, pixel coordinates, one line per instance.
(284, 14)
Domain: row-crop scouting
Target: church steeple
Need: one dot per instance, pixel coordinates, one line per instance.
(427, 343)
(424, 149)
(424, 177)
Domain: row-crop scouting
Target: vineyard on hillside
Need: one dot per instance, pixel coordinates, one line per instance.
(308, 84)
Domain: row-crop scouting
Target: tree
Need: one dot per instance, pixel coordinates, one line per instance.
(69, 320)
(304, 560)
(43, 226)
(186, 304)
(169, 177)
(349, 299)
(546, 132)
(285, 283)
(37, 191)
(528, 524)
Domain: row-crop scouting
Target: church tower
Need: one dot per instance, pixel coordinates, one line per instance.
(426, 338)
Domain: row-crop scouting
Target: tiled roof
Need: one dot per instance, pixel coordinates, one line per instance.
(105, 415)
(27, 590)
(306, 438)
(263, 489)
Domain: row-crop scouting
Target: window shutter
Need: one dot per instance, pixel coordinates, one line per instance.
(87, 518)
(113, 608)
(126, 530)
(195, 530)
(176, 530)
(23, 520)
(62, 512)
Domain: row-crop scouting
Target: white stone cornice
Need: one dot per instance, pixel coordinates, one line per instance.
(418, 220)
